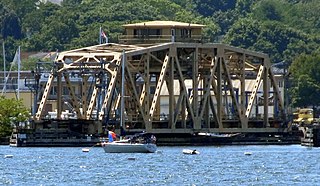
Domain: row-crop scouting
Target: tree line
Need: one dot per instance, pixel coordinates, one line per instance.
(287, 30)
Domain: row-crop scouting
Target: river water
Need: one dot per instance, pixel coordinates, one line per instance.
(225, 165)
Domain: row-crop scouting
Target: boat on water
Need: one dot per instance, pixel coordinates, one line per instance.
(189, 151)
(125, 146)
(139, 143)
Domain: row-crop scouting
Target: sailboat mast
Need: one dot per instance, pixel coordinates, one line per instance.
(19, 61)
(122, 90)
(4, 62)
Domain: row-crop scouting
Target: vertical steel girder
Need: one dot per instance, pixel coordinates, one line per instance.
(218, 96)
(59, 95)
(84, 94)
(243, 119)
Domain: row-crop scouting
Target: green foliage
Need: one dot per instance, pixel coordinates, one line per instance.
(29, 64)
(284, 29)
(279, 41)
(11, 46)
(278, 28)
(209, 7)
(12, 112)
(10, 22)
(305, 71)
(21, 7)
(303, 15)
(306, 92)
(306, 65)
(244, 33)
(35, 20)
(244, 6)
(269, 10)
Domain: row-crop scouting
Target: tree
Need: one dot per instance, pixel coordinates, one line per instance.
(208, 7)
(305, 72)
(306, 65)
(271, 37)
(305, 93)
(35, 20)
(12, 112)
(10, 23)
(269, 10)
(244, 33)
(21, 7)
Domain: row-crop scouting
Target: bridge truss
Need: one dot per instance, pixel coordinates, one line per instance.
(203, 87)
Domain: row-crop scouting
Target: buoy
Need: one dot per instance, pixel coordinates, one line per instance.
(188, 151)
(85, 150)
(8, 156)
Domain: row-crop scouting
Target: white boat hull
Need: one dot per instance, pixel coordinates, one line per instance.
(118, 147)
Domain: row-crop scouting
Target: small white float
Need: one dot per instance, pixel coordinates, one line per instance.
(189, 151)
(8, 156)
(85, 149)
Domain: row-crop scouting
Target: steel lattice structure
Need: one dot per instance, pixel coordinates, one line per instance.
(206, 84)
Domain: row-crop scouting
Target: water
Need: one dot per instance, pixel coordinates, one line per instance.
(227, 165)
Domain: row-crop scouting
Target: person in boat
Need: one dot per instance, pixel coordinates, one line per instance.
(112, 136)
(153, 139)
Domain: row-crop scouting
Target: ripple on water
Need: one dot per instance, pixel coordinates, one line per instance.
(226, 165)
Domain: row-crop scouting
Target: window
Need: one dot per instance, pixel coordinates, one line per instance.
(140, 32)
(186, 33)
(154, 32)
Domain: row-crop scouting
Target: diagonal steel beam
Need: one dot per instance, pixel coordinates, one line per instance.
(254, 91)
(75, 103)
(184, 89)
(159, 86)
(44, 96)
(93, 99)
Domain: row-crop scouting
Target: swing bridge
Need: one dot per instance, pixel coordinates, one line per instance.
(174, 87)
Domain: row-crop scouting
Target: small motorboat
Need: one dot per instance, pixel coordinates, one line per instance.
(248, 153)
(189, 151)
(85, 150)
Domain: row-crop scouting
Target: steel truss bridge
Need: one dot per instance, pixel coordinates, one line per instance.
(208, 87)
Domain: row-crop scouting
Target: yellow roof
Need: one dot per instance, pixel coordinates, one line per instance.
(162, 24)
